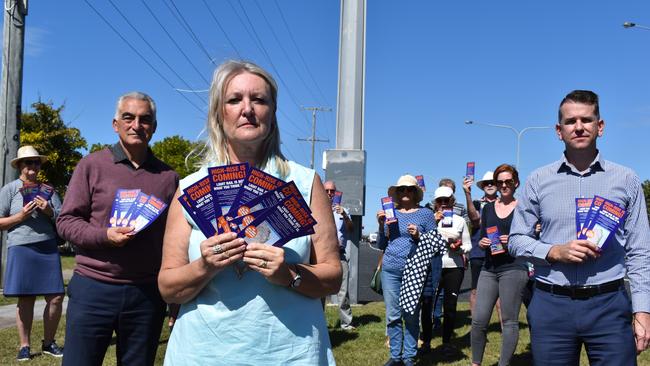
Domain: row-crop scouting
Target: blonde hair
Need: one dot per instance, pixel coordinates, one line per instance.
(216, 147)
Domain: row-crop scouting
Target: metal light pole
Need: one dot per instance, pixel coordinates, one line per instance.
(634, 25)
(517, 133)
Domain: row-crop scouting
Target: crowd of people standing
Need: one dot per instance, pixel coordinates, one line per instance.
(232, 302)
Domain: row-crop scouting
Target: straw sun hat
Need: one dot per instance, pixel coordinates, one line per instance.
(27, 152)
(407, 181)
(488, 176)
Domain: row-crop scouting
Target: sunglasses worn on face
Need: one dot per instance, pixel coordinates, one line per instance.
(32, 162)
(508, 182)
(408, 189)
(488, 183)
(330, 190)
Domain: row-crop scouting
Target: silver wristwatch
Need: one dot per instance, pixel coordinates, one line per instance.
(297, 279)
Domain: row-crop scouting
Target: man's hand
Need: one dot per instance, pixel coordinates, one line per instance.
(575, 251)
(119, 236)
(641, 328)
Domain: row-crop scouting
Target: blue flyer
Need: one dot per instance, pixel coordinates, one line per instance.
(225, 182)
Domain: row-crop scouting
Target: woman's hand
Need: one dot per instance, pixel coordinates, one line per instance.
(43, 206)
(269, 262)
(220, 251)
(438, 215)
(467, 185)
(484, 243)
(27, 211)
(381, 218)
(454, 244)
(413, 231)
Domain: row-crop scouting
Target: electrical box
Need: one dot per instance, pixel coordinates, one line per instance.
(347, 168)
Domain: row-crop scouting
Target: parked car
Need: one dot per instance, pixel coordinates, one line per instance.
(372, 238)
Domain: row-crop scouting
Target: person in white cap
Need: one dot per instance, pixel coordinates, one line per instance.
(453, 264)
(33, 262)
(474, 207)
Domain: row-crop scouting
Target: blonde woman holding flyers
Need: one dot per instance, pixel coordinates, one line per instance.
(257, 303)
(502, 277)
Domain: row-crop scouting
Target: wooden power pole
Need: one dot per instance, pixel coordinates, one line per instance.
(313, 138)
(11, 94)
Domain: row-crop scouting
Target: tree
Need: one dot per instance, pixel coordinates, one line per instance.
(173, 150)
(646, 192)
(45, 130)
(97, 146)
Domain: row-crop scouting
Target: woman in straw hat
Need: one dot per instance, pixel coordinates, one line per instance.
(399, 240)
(28, 211)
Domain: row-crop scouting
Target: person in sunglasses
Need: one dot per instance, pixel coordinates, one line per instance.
(399, 240)
(456, 232)
(33, 262)
(503, 277)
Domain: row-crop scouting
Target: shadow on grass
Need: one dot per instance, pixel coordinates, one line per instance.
(366, 319)
(340, 336)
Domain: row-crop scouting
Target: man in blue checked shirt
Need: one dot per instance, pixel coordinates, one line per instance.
(579, 295)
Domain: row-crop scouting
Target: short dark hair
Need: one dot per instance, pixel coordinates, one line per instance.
(506, 168)
(580, 96)
(447, 182)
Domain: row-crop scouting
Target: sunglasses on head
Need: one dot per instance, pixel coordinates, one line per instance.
(408, 189)
(508, 182)
(32, 162)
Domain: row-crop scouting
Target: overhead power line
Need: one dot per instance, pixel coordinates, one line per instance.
(222, 29)
(162, 59)
(178, 47)
(141, 56)
(179, 17)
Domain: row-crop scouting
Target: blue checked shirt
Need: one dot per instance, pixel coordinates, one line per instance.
(549, 197)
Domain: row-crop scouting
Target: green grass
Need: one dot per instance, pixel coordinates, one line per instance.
(362, 347)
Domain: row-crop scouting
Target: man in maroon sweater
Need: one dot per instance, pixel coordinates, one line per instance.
(114, 286)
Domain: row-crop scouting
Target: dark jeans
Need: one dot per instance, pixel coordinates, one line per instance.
(450, 281)
(96, 309)
(560, 326)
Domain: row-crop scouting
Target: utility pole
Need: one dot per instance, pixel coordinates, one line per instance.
(313, 129)
(11, 94)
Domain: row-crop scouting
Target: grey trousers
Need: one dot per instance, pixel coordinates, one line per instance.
(345, 312)
(507, 286)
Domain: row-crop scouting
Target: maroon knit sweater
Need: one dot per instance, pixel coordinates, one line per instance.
(86, 210)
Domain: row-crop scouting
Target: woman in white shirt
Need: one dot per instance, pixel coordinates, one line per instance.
(455, 230)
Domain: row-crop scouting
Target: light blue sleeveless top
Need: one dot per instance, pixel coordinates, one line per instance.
(250, 321)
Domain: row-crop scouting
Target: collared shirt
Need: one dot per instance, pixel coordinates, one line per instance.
(119, 156)
(341, 232)
(549, 197)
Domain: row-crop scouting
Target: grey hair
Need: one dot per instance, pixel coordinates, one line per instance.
(216, 147)
(139, 96)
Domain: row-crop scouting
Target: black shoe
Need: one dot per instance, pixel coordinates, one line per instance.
(53, 350)
(393, 362)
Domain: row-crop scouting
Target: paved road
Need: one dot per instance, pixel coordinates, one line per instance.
(8, 312)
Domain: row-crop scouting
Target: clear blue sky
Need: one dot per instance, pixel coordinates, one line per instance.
(429, 67)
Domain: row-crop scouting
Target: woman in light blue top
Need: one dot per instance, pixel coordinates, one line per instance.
(254, 304)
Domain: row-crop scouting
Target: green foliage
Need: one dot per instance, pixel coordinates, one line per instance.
(45, 130)
(173, 150)
(97, 146)
(646, 192)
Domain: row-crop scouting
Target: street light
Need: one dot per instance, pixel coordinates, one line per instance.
(517, 132)
(634, 25)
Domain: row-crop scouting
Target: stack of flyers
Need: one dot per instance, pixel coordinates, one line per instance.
(124, 199)
(447, 217)
(469, 171)
(420, 179)
(131, 207)
(602, 220)
(257, 206)
(389, 210)
(288, 220)
(29, 191)
(225, 183)
(338, 197)
(495, 243)
(198, 196)
(583, 207)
